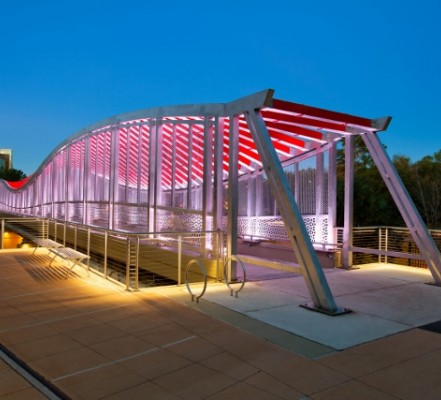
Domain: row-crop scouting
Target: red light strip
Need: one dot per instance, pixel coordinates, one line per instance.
(321, 113)
(301, 120)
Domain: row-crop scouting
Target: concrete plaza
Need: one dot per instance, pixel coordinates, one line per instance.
(87, 338)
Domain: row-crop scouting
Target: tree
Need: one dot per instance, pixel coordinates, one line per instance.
(373, 204)
(12, 174)
(426, 189)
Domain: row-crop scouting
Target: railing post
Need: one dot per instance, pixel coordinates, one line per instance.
(128, 264)
(179, 259)
(136, 285)
(220, 255)
(88, 248)
(380, 243)
(2, 233)
(105, 255)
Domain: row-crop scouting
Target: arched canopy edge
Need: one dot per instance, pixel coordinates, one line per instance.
(294, 128)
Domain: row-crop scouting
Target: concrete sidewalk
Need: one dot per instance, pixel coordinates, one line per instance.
(92, 340)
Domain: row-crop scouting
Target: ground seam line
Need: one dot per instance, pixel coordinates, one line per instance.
(122, 359)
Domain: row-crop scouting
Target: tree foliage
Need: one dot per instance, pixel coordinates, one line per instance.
(12, 174)
(373, 204)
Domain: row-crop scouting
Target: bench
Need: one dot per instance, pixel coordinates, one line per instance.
(48, 243)
(74, 256)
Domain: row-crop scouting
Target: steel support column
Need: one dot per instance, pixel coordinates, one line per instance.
(348, 203)
(405, 204)
(152, 168)
(315, 279)
(233, 194)
(319, 198)
(113, 175)
(190, 204)
(86, 177)
(207, 184)
(218, 188)
(218, 192)
(332, 194)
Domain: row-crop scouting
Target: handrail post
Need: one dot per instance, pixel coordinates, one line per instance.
(380, 243)
(2, 233)
(179, 259)
(88, 248)
(105, 255)
(386, 244)
(220, 254)
(136, 285)
(128, 264)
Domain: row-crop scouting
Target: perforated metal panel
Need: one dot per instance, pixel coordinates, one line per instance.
(261, 219)
(168, 221)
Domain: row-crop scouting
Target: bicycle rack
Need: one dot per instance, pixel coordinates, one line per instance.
(204, 271)
(235, 258)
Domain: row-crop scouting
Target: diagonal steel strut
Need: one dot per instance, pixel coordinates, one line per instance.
(405, 204)
(315, 279)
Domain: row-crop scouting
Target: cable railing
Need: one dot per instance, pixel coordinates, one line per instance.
(134, 260)
(139, 261)
(386, 244)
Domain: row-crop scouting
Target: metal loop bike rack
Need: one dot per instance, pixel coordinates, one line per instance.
(235, 258)
(204, 271)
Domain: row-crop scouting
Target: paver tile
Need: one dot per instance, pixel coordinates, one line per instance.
(71, 323)
(383, 353)
(44, 347)
(147, 390)
(71, 361)
(11, 382)
(243, 391)
(25, 394)
(195, 349)
(18, 320)
(99, 383)
(122, 347)
(95, 334)
(413, 379)
(137, 322)
(230, 365)
(306, 375)
(352, 390)
(21, 335)
(195, 382)
(271, 384)
(155, 363)
(164, 334)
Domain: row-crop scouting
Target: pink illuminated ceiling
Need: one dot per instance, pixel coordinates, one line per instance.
(294, 130)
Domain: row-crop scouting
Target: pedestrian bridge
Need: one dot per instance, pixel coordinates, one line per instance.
(253, 170)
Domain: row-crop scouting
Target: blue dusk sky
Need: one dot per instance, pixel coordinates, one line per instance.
(67, 64)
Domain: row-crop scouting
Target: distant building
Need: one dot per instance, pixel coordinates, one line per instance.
(5, 158)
